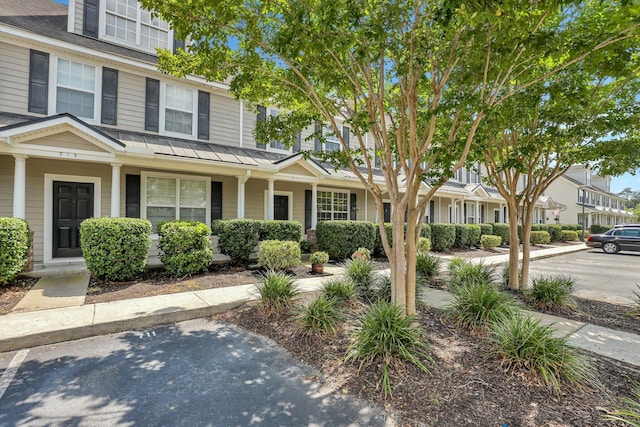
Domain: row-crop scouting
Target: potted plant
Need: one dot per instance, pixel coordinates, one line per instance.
(362, 253)
(318, 260)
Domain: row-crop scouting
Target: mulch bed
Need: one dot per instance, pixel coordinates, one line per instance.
(466, 385)
(11, 295)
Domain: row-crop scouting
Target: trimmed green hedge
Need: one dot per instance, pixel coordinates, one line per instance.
(424, 244)
(425, 231)
(342, 238)
(486, 229)
(599, 229)
(569, 236)
(555, 231)
(474, 234)
(115, 248)
(462, 236)
(489, 241)
(378, 249)
(279, 254)
(280, 230)
(237, 238)
(539, 238)
(545, 227)
(502, 230)
(15, 240)
(443, 237)
(535, 227)
(185, 247)
(574, 227)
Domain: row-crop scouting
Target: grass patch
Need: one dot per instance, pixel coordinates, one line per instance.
(385, 335)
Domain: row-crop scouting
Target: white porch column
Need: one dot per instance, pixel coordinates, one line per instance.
(115, 190)
(314, 205)
(477, 216)
(242, 180)
(270, 194)
(19, 186)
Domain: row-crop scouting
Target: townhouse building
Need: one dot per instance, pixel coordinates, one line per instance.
(90, 128)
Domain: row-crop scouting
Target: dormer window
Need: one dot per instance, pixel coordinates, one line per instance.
(125, 21)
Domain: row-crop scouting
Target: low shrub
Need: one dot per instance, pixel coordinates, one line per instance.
(340, 289)
(305, 246)
(555, 231)
(539, 238)
(476, 305)
(385, 336)
(599, 229)
(279, 255)
(360, 272)
(545, 227)
(280, 230)
(443, 237)
(216, 226)
(488, 241)
(474, 234)
(342, 238)
(569, 236)
(424, 244)
(630, 413)
(467, 273)
(185, 247)
(551, 293)
(571, 227)
(462, 236)
(15, 241)
(115, 248)
(524, 344)
(321, 316)
(535, 227)
(238, 238)
(486, 229)
(427, 266)
(425, 231)
(502, 230)
(276, 290)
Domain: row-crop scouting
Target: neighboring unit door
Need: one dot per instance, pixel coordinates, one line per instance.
(281, 207)
(72, 203)
(386, 207)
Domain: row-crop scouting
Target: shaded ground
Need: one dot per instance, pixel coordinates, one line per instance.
(11, 295)
(467, 386)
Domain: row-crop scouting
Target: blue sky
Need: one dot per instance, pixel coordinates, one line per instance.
(617, 184)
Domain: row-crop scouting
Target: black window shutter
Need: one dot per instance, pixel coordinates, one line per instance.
(90, 18)
(346, 132)
(152, 105)
(298, 145)
(261, 117)
(307, 209)
(432, 211)
(216, 200)
(353, 215)
(465, 212)
(318, 132)
(38, 82)
(203, 115)
(109, 96)
(132, 196)
(178, 44)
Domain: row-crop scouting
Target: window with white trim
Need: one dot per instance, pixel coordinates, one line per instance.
(169, 197)
(178, 111)
(126, 21)
(274, 144)
(331, 140)
(333, 205)
(75, 88)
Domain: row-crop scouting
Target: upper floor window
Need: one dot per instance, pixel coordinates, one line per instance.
(126, 21)
(75, 88)
(332, 142)
(179, 105)
(275, 144)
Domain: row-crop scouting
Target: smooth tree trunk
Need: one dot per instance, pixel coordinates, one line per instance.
(514, 282)
(527, 219)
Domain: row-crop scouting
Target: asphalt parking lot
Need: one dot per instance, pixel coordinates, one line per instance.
(601, 277)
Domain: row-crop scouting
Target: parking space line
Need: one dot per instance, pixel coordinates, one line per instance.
(11, 370)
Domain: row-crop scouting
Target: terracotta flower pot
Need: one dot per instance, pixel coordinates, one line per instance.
(317, 268)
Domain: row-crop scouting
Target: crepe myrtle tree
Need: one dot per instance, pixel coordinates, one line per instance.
(412, 79)
(587, 114)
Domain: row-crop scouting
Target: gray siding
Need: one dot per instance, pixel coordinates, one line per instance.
(77, 22)
(14, 78)
(131, 99)
(6, 185)
(224, 120)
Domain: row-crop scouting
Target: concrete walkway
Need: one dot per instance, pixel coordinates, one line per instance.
(55, 292)
(28, 329)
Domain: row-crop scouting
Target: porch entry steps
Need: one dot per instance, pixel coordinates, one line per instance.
(49, 292)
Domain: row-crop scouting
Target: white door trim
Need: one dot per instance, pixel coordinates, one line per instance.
(278, 193)
(48, 210)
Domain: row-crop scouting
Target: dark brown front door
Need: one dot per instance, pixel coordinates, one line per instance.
(72, 203)
(281, 207)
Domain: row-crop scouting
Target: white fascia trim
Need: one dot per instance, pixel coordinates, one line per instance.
(48, 209)
(42, 151)
(15, 32)
(310, 165)
(68, 125)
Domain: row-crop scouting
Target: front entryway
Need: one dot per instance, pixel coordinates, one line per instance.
(281, 207)
(72, 203)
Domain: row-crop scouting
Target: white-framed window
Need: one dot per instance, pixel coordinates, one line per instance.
(333, 205)
(471, 213)
(332, 142)
(167, 197)
(178, 106)
(459, 175)
(273, 144)
(125, 22)
(74, 88)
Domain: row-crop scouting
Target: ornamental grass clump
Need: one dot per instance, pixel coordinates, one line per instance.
(635, 309)
(466, 272)
(339, 289)
(524, 344)
(630, 414)
(360, 272)
(276, 290)
(551, 293)
(321, 316)
(427, 266)
(477, 305)
(385, 336)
